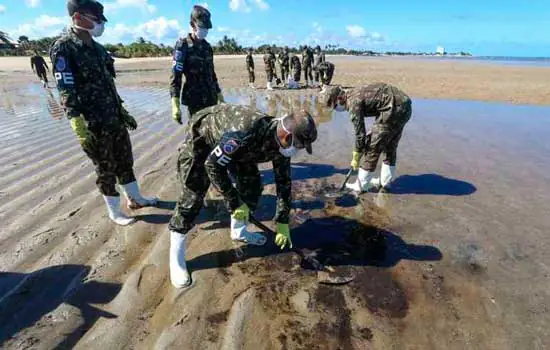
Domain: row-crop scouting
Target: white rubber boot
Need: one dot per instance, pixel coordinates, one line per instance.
(134, 198)
(269, 86)
(179, 275)
(387, 174)
(115, 214)
(240, 233)
(251, 85)
(363, 182)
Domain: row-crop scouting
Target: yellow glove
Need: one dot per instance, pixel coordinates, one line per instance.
(355, 160)
(241, 213)
(220, 98)
(80, 128)
(176, 109)
(283, 236)
(128, 120)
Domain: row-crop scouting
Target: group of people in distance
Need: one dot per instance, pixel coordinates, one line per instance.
(318, 72)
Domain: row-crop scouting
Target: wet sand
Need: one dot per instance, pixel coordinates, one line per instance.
(459, 79)
(466, 230)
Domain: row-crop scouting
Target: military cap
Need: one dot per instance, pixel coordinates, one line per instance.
(90, 6)
(303, 128)
(201, 16)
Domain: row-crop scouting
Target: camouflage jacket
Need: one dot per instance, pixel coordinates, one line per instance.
(195, 60)
(307, 57)
(85, 79)
(241, 134)
(269, 61)
(319, 58)
(284, 60)
(249, 62)
(295, 63)
(38, 64)
(324, 66)
(382, 101)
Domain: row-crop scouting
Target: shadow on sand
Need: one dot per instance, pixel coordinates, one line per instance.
(26, 298)
(431, 184)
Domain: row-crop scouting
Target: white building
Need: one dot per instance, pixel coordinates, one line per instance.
(440, 50)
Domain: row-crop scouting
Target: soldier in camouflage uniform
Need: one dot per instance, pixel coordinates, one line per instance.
(392, 109)
(325, 70)
(250, 68)
(229, 141)
(85, 73)
(194, 58)
(296, 72)
(307, 62)
(319, 58)
(39, 66)
(284, 62)
(270, 70)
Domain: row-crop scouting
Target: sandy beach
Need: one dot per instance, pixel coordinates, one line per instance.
(468, 80)
(466, 225)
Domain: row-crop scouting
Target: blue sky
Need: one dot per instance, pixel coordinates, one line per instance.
(483, 27)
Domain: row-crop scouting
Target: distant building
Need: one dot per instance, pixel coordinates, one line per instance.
(440, 50)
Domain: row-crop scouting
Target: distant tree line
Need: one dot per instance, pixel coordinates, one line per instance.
(226, 46)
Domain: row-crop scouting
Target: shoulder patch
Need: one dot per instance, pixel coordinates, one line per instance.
(231, 146)
(60, 64)
(178, 55)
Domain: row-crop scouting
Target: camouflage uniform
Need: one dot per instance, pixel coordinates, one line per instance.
(195, 60)
(319, 58)
(85, 79)
(325, 70)
(228, 139)
(270, 70)
(307, 60)
(250, 68)
(392, 109)
(296, 68)
(39, 66)
(284, 62)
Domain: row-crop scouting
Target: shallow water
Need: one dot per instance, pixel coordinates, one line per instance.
(473, 183)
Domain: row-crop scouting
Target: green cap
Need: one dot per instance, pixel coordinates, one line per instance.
(86, 6)
(302, 126)
(201, 16)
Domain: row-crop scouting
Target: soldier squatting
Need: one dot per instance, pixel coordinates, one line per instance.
(224, 143)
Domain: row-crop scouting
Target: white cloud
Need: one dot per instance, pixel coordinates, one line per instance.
(159, 29)
(356, 31)
(245, 5)
(2, 9)
(32, 3)
(42, 26)
(204, 4)
(143, 5)
(261, 4)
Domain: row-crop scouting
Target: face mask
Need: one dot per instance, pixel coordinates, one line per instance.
(96, 31)
(290, 151)
(340, 108)
(201, 33)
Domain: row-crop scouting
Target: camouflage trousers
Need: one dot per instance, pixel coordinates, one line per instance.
(270, 75)
(384, 138)
(326, 75)
(297, 74)
(111, 153)
(42, 75)
(317, 75)
(195, 183)
(251, 76)
(308, 72)
(284, 73)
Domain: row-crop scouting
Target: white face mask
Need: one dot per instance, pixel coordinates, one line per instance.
(96, 31)
(340, 108)
(290, 151)
(201, 33)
